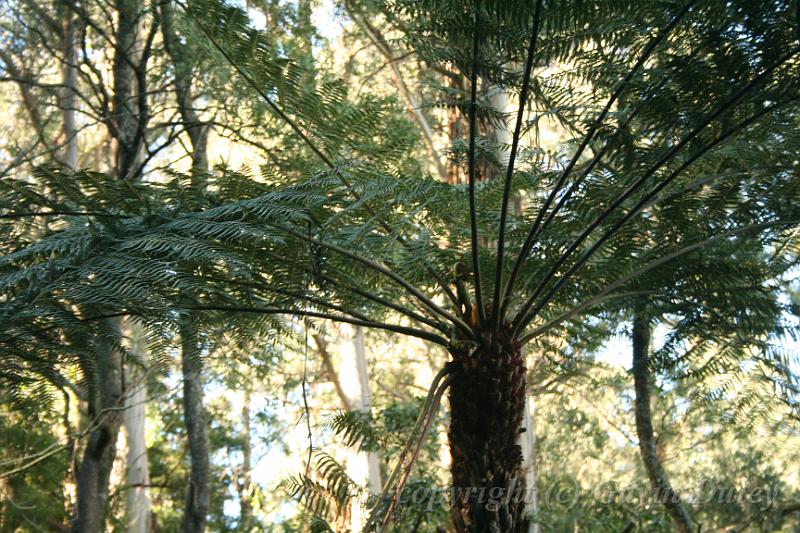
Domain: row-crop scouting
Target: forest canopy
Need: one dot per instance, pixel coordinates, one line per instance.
(399, 266)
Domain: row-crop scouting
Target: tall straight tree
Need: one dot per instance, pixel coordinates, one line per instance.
(195, 417)
(126, 123)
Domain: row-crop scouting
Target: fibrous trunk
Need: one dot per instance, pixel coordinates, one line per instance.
(487, 403)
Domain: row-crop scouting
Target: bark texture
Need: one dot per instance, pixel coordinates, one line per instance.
(197, 490)
(126, 113)
(105, 372)
(487, 405)
(643, 383)
(101, 448)
(67, 103)
(195, 127)
(137, 471)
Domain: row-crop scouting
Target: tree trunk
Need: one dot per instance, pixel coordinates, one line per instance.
(195, 127)
(246, 482)
(643, 380)
(527, 441)
(69, 69)
(101, 448)
(197, 490)
(125, 112)
(363, 466)
(487, 406)
(365, 403)
(138, 474)
(106, 371)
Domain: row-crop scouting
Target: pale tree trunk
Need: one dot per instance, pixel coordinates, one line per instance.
(246, 481)
(138, 473)
(352, 387)
(67, 100)
(502, 136)
(527, 442)
(365, 404)
(643, 383)
(362, 466)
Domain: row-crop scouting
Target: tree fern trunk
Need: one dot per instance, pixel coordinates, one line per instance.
(487, 402)
(644, 428)
(101, 448)
(197, 490)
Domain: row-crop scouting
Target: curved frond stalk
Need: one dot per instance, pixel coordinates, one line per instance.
(412, 332)
(434, 407)
(374, 518)
(383, 270)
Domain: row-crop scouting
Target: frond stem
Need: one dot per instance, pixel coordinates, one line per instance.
(497, 311)
(473, 215)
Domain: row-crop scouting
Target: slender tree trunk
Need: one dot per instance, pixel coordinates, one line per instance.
(125, 112)
(197, 490)
(195, 127)
(643, 382)
(363, 467)
(365, 403)
(487, 407)
(528, 444)
(69, 127)
(138, 473)
(246, 482)
(101, 448)
(330, 370)
(106, 371)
